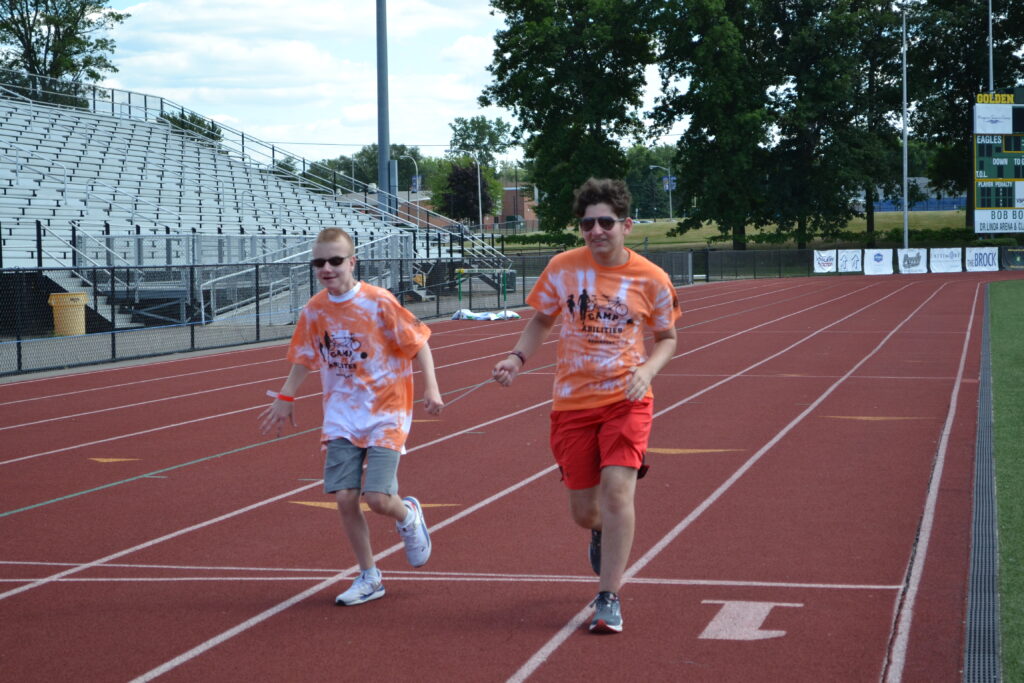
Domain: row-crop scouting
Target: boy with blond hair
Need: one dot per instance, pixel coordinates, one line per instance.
(362, 341)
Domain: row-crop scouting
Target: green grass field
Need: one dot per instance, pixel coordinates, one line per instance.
(699, 239)
(1007, 328)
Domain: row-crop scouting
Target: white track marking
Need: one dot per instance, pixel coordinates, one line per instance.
(106, 387)
(309, 592)
(580, 617)
(147, 544)
(898, 652)
(142, 403)
(142, 546)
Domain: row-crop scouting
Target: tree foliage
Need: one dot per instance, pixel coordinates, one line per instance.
(196, 124)
(482, 137)
(58, 38)
(948, 67)
(455, 191)
(572, 72)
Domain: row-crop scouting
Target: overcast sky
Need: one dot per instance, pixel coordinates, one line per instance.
(304, 71)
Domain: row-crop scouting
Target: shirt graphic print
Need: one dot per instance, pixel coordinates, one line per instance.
(363, 346)
(604, 312)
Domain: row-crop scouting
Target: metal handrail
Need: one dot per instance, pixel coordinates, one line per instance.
(167, 105)
(40, 156)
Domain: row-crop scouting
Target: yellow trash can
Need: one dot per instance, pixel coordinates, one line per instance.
(68, 313)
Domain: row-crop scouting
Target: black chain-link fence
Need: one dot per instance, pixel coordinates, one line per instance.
(63, 317)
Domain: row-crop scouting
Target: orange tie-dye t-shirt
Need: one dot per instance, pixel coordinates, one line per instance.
(604, 312)
(363, 343)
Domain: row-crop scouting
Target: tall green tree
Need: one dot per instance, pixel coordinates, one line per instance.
(455, 190)
(572, 72)
(949, 66)
(718, 62)
(483, 137)
(58, 38)
(813, 177)
(649, 195)
(875, 155)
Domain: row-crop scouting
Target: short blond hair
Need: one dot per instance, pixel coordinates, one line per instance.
(335, 235)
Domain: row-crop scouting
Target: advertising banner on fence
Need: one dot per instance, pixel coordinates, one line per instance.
(913, 260)
(825, 261)
(850, 261)
(1013, 258)
(878, 261)
(946, 259)
(982, 258)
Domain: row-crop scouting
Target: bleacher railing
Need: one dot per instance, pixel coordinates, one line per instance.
(262, 155)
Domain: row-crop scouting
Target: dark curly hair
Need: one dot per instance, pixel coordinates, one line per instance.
(614, 193)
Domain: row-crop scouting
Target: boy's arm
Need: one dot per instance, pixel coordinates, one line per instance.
(431, 394)
(534, 334)
(280, 411)
(661, 354)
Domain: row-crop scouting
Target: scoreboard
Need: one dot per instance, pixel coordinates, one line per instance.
(999, 162)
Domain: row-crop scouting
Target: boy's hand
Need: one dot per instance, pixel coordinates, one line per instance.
(506, 370)
(432, 402)
(276, 414)
(639, 381)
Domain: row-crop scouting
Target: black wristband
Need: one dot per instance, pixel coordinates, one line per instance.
(520, 356)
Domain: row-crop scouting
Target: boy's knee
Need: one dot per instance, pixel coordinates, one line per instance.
(348, 500)
(377, 502)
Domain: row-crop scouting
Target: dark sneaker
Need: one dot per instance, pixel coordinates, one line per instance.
(607, 613)
(416, 535)
(367, 586)
(595, 551)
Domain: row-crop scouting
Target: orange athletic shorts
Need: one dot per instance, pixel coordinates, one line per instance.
(584, 441)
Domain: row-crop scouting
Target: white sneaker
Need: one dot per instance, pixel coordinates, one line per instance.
(415, 535)
(367, 586)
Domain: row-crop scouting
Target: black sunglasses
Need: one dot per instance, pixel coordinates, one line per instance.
(321, 262)
(606, 222)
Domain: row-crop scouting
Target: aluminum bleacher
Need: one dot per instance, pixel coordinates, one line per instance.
(95, 178)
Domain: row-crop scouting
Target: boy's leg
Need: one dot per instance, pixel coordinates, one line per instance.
(354, 523)
(618, 521)
(381, 492)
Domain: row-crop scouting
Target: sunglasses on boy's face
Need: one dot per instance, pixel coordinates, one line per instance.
(321, 262)
(606, 222)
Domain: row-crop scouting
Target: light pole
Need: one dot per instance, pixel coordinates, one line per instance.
(668, 183)
(906, 209)
(416, 173)
(479, 186)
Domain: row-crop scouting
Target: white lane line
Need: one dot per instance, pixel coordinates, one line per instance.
(542, 655)
(898, 652)
(408, 575)
(194, 527)
(107, 387)
(309, 592)
(468, 578)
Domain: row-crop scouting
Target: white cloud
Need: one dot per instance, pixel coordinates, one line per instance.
(305, 70)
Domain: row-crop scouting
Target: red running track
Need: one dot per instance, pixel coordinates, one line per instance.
(806, 518)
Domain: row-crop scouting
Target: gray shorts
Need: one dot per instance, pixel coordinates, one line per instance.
(343, 468)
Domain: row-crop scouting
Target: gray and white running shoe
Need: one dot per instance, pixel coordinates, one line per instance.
(367, 586)
(415, 535)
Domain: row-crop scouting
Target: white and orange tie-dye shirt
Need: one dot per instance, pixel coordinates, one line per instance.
(363, 343)
(604, 312)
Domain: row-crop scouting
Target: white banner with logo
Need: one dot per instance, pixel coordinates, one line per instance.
(912, 260)
(946, 259)
(981, 258)
(825, 261)
(850, 261)
(878, 261)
